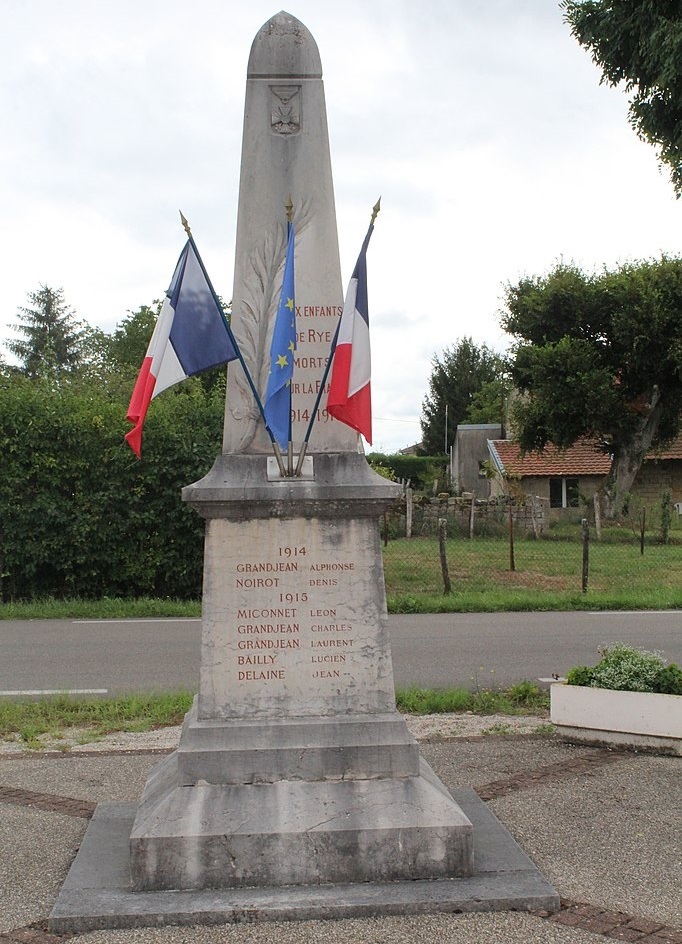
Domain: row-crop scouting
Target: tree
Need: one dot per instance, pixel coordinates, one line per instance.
(52, 337)
(599, 356)
(130, 340)
(458, 374)
(639, 42)
(489, 404)
(128, 345)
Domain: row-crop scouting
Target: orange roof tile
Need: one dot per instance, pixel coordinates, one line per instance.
(671, 451)
(583, 458)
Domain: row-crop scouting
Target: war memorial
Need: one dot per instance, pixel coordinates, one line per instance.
(296, 790)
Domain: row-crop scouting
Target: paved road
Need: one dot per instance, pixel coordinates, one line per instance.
(438, 650)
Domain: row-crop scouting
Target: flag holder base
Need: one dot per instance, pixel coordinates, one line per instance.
(274, 473)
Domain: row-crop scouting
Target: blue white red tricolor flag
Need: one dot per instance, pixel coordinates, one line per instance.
(350, 399)
(191, 335)
(277, 404)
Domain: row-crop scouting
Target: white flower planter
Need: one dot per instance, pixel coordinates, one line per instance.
(602, 716)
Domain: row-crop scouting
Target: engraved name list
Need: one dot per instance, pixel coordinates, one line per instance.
(291, 629)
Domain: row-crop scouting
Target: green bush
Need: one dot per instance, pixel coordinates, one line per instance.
(579, 675)
(629, 669)
(669, 680)
(421, 471)
(80, 516)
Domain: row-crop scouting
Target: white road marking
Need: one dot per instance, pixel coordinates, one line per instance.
(629, 612)
(59, 691)
(132, 619)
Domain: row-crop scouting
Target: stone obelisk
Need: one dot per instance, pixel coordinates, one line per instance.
(285, 156)
(294, 766)
(296, 790)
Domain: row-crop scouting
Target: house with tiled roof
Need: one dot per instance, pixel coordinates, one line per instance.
(569, 477)
(566, 478)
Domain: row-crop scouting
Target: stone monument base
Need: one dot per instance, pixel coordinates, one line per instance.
(296, 802)
(97, 892)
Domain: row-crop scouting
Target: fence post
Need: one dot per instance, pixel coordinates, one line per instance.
(597, 515)
(666, 515)
(442, 534)
(471, 515)
(533, 519)
(642, 530)
(586, 553)
(512, 564)
(408, 512)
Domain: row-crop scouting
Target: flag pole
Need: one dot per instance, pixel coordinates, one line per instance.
(304, 448)
(289, 206)
(278, 454)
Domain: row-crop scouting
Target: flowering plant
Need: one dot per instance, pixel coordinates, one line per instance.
(629, 669)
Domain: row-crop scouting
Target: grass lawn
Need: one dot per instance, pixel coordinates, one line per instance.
(28, 721)
(547, 576)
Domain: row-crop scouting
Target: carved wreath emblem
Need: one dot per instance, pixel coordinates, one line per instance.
(286, 109)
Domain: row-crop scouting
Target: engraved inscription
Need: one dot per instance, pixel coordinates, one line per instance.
(294, 632)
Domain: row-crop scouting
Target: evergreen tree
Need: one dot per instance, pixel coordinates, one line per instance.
(52, 341)
(459, 373)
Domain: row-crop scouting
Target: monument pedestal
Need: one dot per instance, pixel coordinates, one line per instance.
(294, 767)
(296, 791)
(296, 832)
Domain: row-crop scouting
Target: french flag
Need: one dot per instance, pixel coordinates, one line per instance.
(350, 398)
(191, 335)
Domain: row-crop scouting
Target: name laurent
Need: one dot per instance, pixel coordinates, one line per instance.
(330, 643)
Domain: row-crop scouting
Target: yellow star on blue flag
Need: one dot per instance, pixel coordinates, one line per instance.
(277, 405)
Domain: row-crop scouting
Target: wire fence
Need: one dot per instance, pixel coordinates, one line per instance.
(459, 546)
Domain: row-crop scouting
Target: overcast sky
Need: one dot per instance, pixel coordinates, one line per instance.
(483, 126)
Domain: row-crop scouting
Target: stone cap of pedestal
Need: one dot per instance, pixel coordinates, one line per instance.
(344, 486)
(284, 48)
(351, 747)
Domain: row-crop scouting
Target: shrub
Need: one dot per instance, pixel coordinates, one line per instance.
(579, 675)
(525, 694)
(669, 680)
(419, 470)
(629, 669)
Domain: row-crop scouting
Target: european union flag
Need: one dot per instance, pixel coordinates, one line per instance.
(277, 406)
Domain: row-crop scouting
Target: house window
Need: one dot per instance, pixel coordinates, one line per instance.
(563, 493)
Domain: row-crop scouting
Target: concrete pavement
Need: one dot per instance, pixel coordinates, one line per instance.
(604, 827)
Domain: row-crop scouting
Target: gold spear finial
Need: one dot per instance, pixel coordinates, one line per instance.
(375, 211)
(289, 207)
(185, 224)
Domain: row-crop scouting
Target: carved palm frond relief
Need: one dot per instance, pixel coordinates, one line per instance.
(259, 299)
